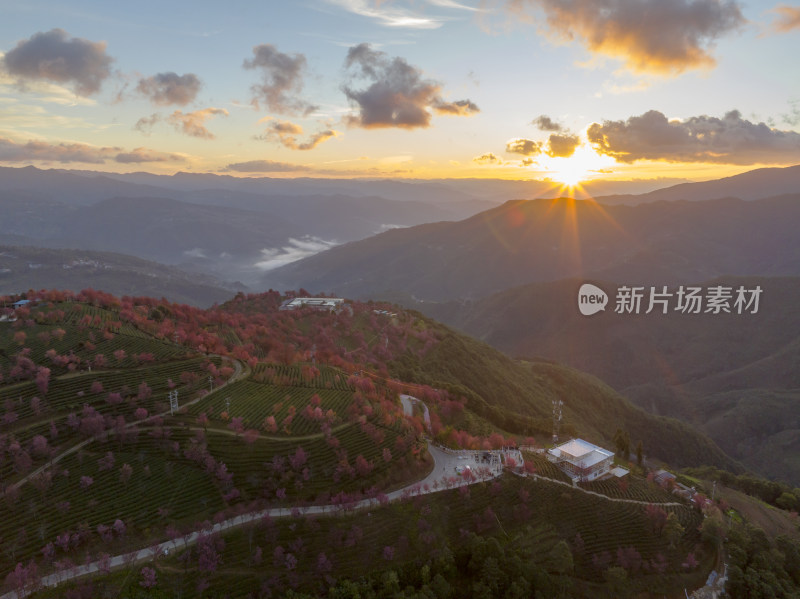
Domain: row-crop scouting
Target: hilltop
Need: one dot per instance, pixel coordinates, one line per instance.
(271, 414)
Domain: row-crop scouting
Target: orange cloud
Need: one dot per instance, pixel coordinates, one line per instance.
(664, 37)
(487, 158)
(286, 132)
(193, 123)
(787, 19)
(526, 147)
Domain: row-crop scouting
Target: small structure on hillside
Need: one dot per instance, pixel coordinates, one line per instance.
(583, 461)
(664, 478)
(331, 304)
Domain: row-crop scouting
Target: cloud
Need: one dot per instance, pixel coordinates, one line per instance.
(296, 249)
(145, 155)
(526, 147)
(787, 19)
(53, 56)
(396, 94)
(562, 146)
(195, 253)
(146, 123)
(46, 91)
(487, 158)
(390, 16)
(265, 166)
(545, 123)
(281, 80)
(286, 132)
(650, 36)
(453, 4)
(11, 151)
(193, 123)
(729, 140)
(793, 116)
(164, 89)
(457, 108)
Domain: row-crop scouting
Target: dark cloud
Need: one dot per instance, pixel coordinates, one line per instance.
(285, 133)
(787, 18)
(53, 56)
(487, 158)
(193, 123)
(650, 36)
(526, 147)
(396, 94)
(164, 89)
(729, 140)
(562, 146)
(11, 151)
(545, 123)
(281, 80)
(265, 166)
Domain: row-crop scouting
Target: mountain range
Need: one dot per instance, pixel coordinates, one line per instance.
(527, 241)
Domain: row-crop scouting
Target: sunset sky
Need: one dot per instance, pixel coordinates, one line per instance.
(565, 89)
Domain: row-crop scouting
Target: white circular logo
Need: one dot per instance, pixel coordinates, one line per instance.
(591, 299)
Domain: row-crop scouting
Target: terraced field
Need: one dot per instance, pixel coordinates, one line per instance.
(70, 505)
(435, 532)
(634, 487)
(303, 375)
(254, 402)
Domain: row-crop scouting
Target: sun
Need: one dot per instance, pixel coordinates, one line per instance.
(578, 168)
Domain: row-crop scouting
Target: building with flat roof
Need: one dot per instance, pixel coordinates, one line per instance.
(583, 461)
(317, 303)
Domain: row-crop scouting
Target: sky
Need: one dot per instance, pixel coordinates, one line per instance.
(566, 90)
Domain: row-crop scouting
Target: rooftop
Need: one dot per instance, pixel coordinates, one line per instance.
(581, 453)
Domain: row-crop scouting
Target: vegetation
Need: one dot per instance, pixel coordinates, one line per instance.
(286, 409)
(513, 537)
(518, 398)
(774, 493)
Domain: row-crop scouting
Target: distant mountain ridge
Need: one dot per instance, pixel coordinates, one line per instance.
(522, 242)
(752, 185)
(23, 268)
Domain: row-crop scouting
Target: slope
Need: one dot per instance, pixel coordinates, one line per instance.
(541, 240)
(732, 376)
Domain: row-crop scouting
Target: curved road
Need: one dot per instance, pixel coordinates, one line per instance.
(442, 477)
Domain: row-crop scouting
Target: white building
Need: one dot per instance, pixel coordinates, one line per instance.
(318, 303)
(583, 461)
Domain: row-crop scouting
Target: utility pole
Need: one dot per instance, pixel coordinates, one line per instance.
(210, 383)
(557, 417)
(173, 401)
